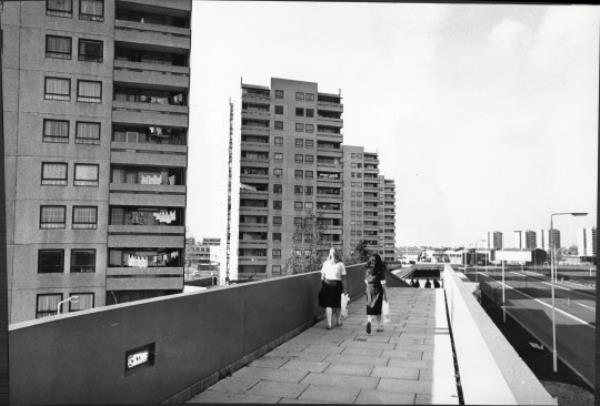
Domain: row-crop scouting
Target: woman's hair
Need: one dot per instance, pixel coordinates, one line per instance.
(378, 266)
(334, 255)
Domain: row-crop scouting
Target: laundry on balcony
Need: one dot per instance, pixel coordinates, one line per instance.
(243, 186)
(150, 179)
(165, 216)
(137, 261)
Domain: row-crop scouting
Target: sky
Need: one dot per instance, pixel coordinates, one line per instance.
(486, 116)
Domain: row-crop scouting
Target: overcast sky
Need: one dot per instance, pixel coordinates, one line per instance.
(485, 115)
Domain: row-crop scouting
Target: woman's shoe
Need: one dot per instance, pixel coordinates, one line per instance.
(368, 327)
(340, 323)
(328, 327)
(379, 329)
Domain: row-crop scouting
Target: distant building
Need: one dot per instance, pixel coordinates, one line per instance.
(495, 240)
(554, 238)
(542, 240)
(203, 256)
(387, 219)
(530, 240)
(586, 242)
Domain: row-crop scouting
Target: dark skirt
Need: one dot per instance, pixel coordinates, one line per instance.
(376, 293)
(330, 294)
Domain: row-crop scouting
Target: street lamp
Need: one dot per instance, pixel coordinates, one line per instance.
(553, 281)
(72, 299)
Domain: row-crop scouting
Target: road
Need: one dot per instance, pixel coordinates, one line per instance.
(528, 300)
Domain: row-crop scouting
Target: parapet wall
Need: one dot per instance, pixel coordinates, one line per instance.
(194, 339)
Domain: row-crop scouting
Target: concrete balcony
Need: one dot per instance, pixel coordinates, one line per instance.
(152, 34)
(251, 161)
(181, 5)
(253, 129)
(252, 260)
(259, 114)
(250, 243)
(138, 229)
(252, 211)
(257, 98)
(257, 146)
(145, 283)
(371, 170)
(253, 226)
(333, 153)
(139, 188)
(337, 122)
(167, 76)
(145, 198)
(144, 241)
(369, 159)
(148, 271)
(150, 114)
(329, 183)
(337, 107)
(329, 166)
(148, 147)
(156, 159)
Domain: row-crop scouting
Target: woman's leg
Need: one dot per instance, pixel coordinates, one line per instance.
(328, 311)
(338, 315)
(379, 325)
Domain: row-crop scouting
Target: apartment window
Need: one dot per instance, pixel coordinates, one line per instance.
(55, 131)
(356, 155)
(298, 221)
(299, 127)
(298, 174)
(299, 112)
(276, 270)
(310, 112)
(308, 190)
(86, 174)
(54, 173)
(47, 304)
(87, 133)
(86, 301)
(278, 172)
(298, 189)
(83, 260)
(309, 174)
(277, 188)
(279, 94)
(57, 89)
(92, 10)
(299, 96)
(298, 206)
(85, 217)
(277, 204)
(276, 253)
(309, 128)
(278, 156)
(52, 217)
(276, 236)
(278, 109)
(90, 50)
(356, 184)
(308, 205)
(309, 96)
(278, 125)
(309, 143)
(277, 220)
(58, 47)
(299, 142)
(51, 261)
(298, 158)
(59, 8)
(309, 159)
(89, 91)
(278, 140)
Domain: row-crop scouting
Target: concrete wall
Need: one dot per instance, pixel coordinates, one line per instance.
(491, 372)
(80, 357)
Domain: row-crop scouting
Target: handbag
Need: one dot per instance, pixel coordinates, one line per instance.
(345, 300)
(385, 311)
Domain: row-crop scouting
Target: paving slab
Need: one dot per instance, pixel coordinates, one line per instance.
(328, 394)
(277, 389)
(349, 369)
(371, 397)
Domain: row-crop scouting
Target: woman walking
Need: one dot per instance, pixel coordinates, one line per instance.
(376, 292)
(333, 276)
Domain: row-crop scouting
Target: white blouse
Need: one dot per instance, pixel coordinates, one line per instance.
(333, 270)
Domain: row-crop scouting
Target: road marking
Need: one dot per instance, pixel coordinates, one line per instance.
(518, 273)
(587, 307)
(577, 319)
(556, 285)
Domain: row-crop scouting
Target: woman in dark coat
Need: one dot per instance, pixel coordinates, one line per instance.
(376, 292)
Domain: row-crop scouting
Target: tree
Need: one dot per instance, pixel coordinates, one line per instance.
(308, 246)
(360, 253)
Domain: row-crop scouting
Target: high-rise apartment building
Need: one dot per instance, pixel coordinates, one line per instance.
(586, 242)
(95, 121)
(494, 240)
(387, 219)
(530, 240)
(554, 238)
(290, 175)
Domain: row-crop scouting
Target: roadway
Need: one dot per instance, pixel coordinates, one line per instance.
(528, 301)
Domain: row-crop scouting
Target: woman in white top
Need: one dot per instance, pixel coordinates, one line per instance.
(333, 276)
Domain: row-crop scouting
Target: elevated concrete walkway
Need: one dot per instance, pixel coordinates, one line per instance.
(409, 363)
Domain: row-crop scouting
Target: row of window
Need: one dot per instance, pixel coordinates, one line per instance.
(53, 261)
(56, 174)
(300, 96)
(300, 127)
(47, 304)
(60, 47)
(298, 189)
(55, 217)
(300, 111)
(88, 91)
(299, 142)
(298, 173)
(298, 158)
(58, 131)
(91, 10)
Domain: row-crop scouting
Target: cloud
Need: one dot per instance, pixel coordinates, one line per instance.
(509, 35)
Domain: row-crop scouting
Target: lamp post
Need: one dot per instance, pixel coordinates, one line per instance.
(553, 281)
(503, 293)
(73, 299)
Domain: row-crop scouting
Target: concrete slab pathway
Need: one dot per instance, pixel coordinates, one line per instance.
(410, 362)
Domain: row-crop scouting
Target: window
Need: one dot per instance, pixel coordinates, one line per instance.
(90, 50)
(87, 133)
(277, 172)
(309, 128)
(59, 8)
(298, 205)
(85, 217)
(298, 189)
(298, 158)
(52, 217)
(276, 236)
(299, 127)
(51, 261)
(310, 112)
(54, 173)
(299, 96)
(277, 188)
(278, 140)
(279, 94)
(86, 175)
(276, 253)
(58, 47)
(55, 131)
(83, 261)
(89, 91)
(276, 270)
(298, 174)
(277, 220)
(47, 304)
(309, 96)
(308, 205)
(309, 159)
(277, 204)
(299, 112)
(278, 125)
(278, 109)
(298, 221)
(278, 156)
(308, 174)
(309, 143)
(57, 89)
(86, 301)
(92, 10)
(308, 190)
(299, 142)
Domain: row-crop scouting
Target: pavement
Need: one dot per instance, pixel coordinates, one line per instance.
(410, 362)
